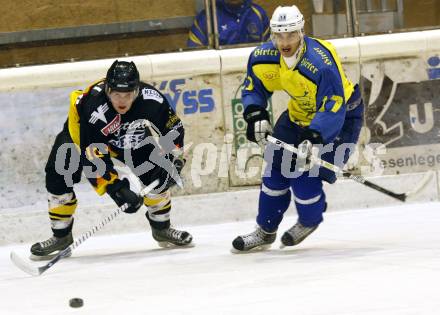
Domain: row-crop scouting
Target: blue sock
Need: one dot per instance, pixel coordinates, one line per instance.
(309, 199)
(274, 200)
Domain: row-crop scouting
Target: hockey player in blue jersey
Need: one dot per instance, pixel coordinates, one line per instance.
(324, 108)
(239, 21)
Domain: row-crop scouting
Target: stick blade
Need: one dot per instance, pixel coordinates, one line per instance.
(24, 265)
(401, 197)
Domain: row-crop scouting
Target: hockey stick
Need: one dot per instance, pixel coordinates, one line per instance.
(357, 178)
(36, 271)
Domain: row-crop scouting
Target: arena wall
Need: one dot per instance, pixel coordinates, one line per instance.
(398, 73)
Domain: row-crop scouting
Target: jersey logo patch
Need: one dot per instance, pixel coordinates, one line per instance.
(271, 75)
(99, 114)
(149, 94)
(112, 126)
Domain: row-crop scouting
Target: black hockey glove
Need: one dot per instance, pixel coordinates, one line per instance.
(120, 192)
(258, 124)
(313, 136)
(167, 174)
(307, 139)
(178, 162)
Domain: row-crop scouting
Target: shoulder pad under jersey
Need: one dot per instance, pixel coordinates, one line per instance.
(149, 92)
(94, 88)
(97, 88)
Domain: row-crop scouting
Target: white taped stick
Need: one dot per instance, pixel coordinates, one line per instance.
(36, 271)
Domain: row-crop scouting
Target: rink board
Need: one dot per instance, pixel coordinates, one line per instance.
(398, 74)
(31, 223)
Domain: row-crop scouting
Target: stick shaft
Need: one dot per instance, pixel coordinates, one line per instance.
(65, 253)
(98, 227)
(357, 178)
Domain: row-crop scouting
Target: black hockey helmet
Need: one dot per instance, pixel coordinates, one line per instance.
(122, 76)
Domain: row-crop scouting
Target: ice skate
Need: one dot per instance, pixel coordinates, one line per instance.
(170, 237)
(296, 234)
(46, 250)
(255, 241)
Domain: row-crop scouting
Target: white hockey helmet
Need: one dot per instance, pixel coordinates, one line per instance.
(286, 19)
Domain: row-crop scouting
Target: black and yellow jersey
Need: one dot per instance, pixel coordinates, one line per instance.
(317, 86)
(101, 132)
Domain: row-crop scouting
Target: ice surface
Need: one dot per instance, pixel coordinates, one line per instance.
(372, 261)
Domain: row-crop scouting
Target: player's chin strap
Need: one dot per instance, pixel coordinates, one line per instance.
(357, 178)
(36, 271)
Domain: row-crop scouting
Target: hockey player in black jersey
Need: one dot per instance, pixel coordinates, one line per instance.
(114, 118)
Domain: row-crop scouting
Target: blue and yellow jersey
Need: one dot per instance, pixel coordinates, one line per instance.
(247, 23)
(317, 86)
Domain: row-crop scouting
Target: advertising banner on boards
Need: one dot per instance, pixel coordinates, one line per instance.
(197, 101)
(403, 112)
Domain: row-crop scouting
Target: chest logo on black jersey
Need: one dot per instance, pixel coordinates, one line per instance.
(114, 125)
(99, 113)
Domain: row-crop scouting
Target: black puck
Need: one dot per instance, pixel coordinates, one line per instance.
(76, 302)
